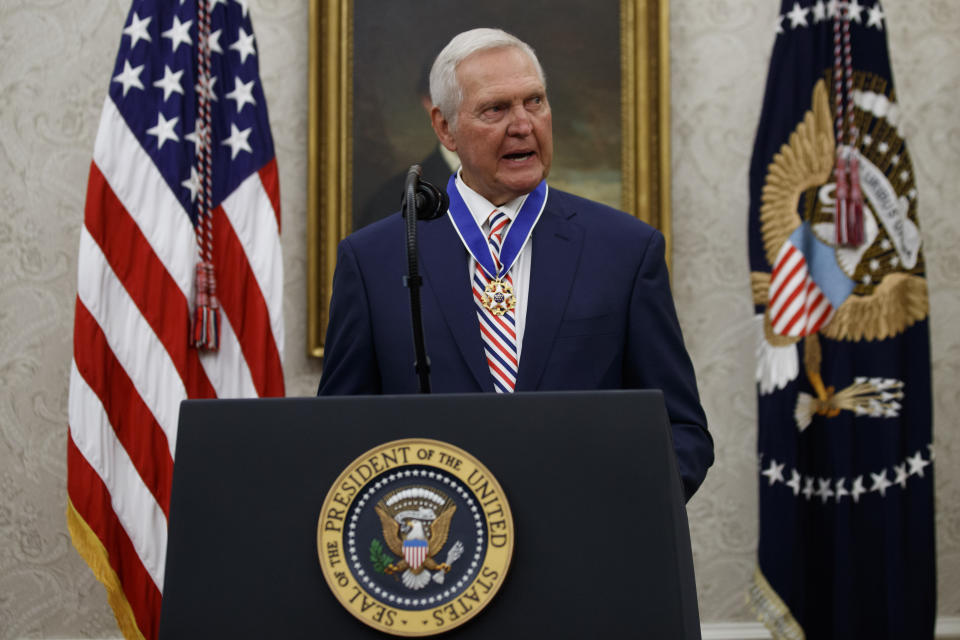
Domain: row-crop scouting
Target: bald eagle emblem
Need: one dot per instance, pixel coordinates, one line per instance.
(872, 291)
(416, 524)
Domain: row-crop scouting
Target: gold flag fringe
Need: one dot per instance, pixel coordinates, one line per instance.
(771, 610)
(90, 548)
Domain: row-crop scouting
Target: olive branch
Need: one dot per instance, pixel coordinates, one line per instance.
(379, 558)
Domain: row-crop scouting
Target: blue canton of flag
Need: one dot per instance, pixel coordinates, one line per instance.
(155, 85)
(846, 544)
(156, 158)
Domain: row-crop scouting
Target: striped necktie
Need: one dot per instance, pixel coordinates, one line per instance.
(498, 332)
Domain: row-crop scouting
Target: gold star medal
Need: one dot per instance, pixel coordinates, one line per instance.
(498, 297)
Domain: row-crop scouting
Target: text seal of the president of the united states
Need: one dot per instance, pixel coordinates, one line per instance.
(415, 537)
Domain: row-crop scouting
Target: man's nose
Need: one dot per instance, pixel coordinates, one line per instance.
(520, 122)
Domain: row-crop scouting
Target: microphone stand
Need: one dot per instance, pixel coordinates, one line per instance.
(427, 203)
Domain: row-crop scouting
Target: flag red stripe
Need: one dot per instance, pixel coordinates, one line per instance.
(92, 501)
(782, 261)
(270, 178)
(243, 302)
(136, 428)
(797, 317)
(153, 290)
(786, 303)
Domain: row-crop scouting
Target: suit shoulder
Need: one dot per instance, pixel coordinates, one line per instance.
(597, 217)
(375, 234)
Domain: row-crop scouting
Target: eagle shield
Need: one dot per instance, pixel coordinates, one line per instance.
(415, 552)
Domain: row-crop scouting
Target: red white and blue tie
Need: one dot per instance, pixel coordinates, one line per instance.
(498, 332)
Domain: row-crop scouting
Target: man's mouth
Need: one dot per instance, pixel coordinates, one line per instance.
(518, 156)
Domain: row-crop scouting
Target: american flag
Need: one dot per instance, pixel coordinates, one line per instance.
(139, 249)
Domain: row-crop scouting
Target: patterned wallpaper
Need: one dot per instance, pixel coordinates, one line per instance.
(57, 57)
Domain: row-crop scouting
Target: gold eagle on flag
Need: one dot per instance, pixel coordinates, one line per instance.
(869, 292)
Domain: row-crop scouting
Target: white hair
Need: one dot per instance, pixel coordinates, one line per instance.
(445, 90)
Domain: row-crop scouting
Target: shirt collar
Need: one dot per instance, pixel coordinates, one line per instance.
(481, 208)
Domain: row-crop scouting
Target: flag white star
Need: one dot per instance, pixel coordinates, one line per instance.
(129, 77)
(880, 482)
(875, 19)
(894, 262)
(807, 488)
(179, 33)
(867, 140)
(798, 16)
(192, 183)
(794, 482)
(857, 488)
(894, 160)
(244, 6)
(854, 9)
(883, 147)
(242, 93)
(819, 12)
(214, 41)
(833, 9)
(779, 25)
(137, 30)
(170, 82)
(244, 45)
(900, 471)
(774, 473)
(238, 141)
(205, 86)
(824, 491)
(904, 175)
(197, 134)
(917, 463)
(841, 490)
(163, 130)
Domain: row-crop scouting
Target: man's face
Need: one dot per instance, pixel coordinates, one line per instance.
(504, 129)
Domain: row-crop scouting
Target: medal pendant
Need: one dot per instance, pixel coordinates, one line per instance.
(498, 297)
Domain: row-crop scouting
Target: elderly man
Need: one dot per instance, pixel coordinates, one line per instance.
(525, 288)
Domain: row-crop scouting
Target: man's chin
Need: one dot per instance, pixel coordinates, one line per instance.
(520, 183)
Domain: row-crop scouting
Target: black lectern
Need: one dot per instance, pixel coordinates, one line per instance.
(602, 543)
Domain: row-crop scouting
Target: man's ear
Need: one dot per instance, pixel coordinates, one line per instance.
(442, 128)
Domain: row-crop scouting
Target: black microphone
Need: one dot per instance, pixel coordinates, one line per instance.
(431, 202)
(428, 203)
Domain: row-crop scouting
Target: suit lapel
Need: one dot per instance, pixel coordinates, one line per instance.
(444, 261)
(556, 253)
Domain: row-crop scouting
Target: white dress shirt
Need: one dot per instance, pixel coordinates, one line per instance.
(481, 208)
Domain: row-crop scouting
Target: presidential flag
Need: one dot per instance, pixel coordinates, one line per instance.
(179, 249)
(846, 546)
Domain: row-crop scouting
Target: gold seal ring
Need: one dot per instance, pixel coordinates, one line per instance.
(415, 537)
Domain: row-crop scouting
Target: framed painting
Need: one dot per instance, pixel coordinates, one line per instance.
(607, 69)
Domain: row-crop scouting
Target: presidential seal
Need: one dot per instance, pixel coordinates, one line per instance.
(415, 537)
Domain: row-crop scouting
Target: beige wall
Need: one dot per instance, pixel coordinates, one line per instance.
(57, 56)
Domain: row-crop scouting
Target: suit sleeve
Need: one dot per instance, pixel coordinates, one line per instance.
(349, 360)
(656, 358)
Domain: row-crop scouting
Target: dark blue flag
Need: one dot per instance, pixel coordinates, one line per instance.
(837, 270)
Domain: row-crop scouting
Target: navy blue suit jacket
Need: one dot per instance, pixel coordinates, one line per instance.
(600, 315)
